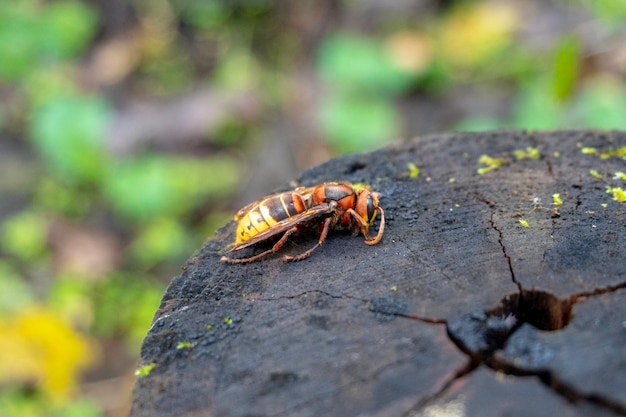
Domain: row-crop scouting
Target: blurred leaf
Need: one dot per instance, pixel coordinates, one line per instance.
(358, 124)
(231, 131)
(536, 108)
(70, 299)
(155, 186)
(360, 64)
(19, 41)
(611, 12)
(69, 134)
(163, 239)
(20, 402)
(46, 84)
(37, 347)
(566, 63)
(237, 71)
(168, 73)
(31, 33)
(83, 407)
(54, 196)
(17, 402)
(476, 31)
(24, 235)
(15, 293)
(68, 27)
(602, 105)
(202, 14)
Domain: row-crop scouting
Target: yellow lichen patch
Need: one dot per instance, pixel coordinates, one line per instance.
(209, 327)
(38, 347)
(451, 180)
(524, 222)
(610, 153)
(557, 154)
(556, 200)
(360, 186)
(394, 288)
(183, 345)
(228, 320)
(595, 174)
(490, 163)
(604, 205)
(618, 193)
(529, 152)
(414, 171)
(619, 176)
(145, 370)
(614, 153)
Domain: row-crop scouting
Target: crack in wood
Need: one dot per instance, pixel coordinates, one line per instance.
(581, 297)
(305, 293)
(553, 383)
(492, 224)
(460, 373)
(362, 300)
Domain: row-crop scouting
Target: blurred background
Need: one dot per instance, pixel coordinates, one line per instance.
(131, 130)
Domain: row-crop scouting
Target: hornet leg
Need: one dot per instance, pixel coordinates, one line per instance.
(274, 249)
(308, 253)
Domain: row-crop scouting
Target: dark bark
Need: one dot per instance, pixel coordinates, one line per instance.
(460, 307)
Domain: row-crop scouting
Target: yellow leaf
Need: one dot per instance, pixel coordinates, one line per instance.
(473, 34)
(38, 347)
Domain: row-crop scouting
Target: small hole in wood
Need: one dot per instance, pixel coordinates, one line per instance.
(537, 308)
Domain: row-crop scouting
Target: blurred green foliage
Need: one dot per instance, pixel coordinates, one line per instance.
(24, 236)
(353, 63)
(358, 114)
(146, 211)
(32, 35)
(156, 185)
(358, 122)
(566, 67)
(69, 133)
(611, 12)
(15, 293)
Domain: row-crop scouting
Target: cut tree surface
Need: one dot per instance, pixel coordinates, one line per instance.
(499, 288)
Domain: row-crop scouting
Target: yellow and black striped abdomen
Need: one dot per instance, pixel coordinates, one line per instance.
(266, 213)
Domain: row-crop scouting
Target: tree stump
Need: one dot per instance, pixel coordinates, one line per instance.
(499, 288)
